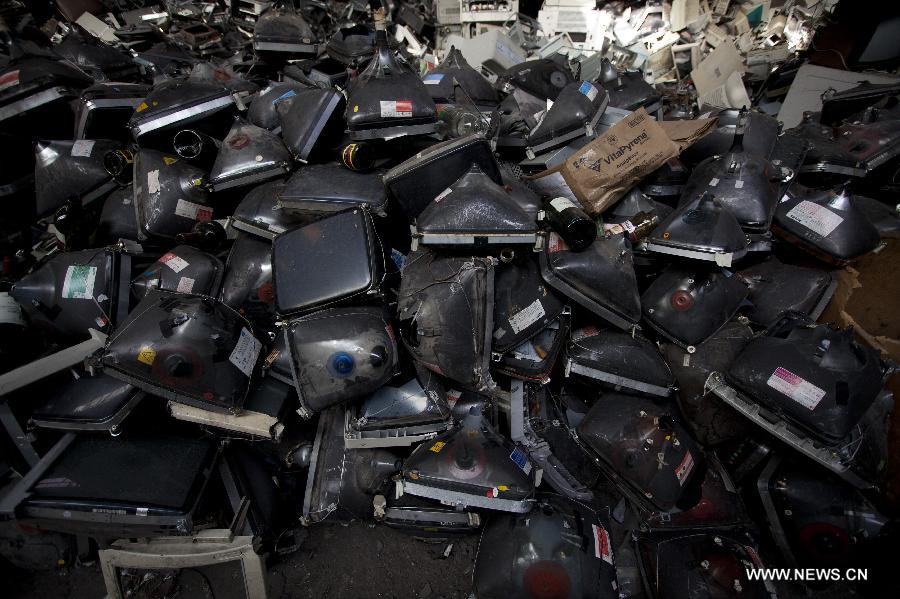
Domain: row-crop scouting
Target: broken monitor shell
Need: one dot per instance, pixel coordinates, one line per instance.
(93, 487)
(620, 360)
(445, 308)
(318, 189)
(310, 273)
(66, 169)
(104, 109)
(88, 403)
(169, 196)
(187, 348)
(310, 120)
(248, 155)
(258, 214)
(523, 304)
(562, 548)
(388, 99)
(76, 291)
(534, 359)
(688, 306)
(399, 414)
(342, 483)
(212, 547)
(281, 29)
(826, 224)
(417, 181)
(339, 354)
(600, 279)
(626, 435)
(575, 113)
(174, 103)
(474, 211)
(819, 379)
(184, 269)
(701, 229)
(471, 466)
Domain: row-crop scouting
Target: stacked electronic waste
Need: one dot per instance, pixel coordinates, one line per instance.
(555, 280)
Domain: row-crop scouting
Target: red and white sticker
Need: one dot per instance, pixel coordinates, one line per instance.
(9, 79)
(193, 211)
(185, 285)
(602, 547)
(684, 468)
(396, 108)
(555, 244)
(800, 390)
(817, 219)
(585, 332)
(453, 396)
(174, 262)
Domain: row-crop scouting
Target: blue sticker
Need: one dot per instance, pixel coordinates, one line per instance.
(433, 79)
(398, 258)
(288, 94)
(588, 90)
(518, 456)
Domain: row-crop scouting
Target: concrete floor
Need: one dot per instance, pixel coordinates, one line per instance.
(358, 560)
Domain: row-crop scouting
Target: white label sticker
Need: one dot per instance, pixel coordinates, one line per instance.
(10, 312)
(602, 548)
(588, 90)
(174, 262)
(79, 282)
(396, 108)
(185, 285)
(525, 318)
(800, 390)
(193, 211)
(443, 194)
(684, 468)
(739, 184)
(83, 148)
(245, 352)
(817, 219)
(713, 182)
(153, 182)
(628, 226)
(563, 203)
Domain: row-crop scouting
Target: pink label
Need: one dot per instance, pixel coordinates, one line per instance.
(800, 390)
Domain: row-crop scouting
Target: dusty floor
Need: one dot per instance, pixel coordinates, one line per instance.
(357, 561)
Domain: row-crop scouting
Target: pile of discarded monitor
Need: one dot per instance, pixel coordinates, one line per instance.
(308, 283)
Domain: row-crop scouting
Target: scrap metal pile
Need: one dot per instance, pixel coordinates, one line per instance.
(553, 281)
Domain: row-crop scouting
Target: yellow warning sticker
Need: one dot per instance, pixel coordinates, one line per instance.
(502, 488)
(141, 106)
(147, 355)
(169, 160)
(437, 447)
(356, 108)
